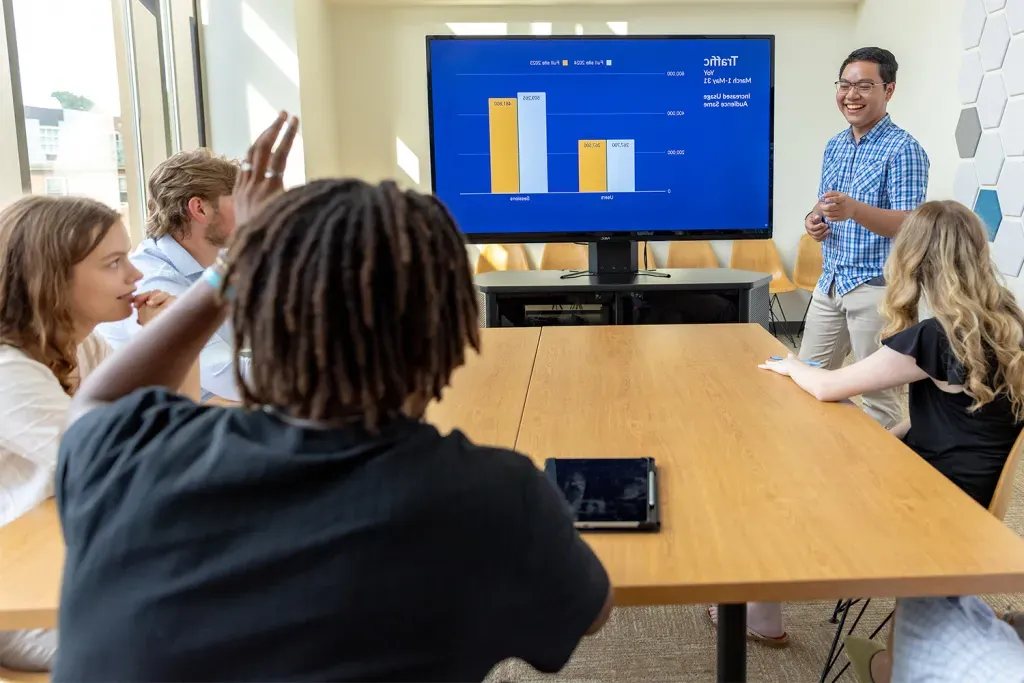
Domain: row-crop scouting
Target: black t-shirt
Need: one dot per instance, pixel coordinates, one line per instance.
(969, 448)
(214, 544)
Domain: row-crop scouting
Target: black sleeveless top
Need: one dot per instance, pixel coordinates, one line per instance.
(968, 448)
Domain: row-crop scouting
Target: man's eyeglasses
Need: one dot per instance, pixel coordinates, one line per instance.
(863, 87)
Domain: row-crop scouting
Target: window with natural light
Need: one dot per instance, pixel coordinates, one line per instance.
(72, 106)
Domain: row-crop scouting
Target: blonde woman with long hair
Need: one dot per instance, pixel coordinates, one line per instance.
(965, 366)
(63, 270)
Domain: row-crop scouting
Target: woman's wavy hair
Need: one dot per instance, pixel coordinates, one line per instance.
(942, 252)
(41, 240)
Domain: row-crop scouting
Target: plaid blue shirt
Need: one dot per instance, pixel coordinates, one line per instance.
(958, 640)
(887, 169)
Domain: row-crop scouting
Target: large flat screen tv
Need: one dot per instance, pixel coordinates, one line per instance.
(568, 138)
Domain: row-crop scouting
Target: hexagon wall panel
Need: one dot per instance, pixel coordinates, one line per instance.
(971, 73)
(989, 157)
(994, 39)
(991, 100)
(987, 208)
(1012, 129)
(968, 132)
(1015, 16)
(972, 22)
(965, 185)
(1013, 65)
(1011, 187)
(1008, 247)
(990, 131)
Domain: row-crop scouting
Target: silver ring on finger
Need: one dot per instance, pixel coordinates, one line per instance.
(271, 174)
(245, 167)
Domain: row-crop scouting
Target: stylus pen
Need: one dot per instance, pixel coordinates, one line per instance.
(812, 363)
(650, 490)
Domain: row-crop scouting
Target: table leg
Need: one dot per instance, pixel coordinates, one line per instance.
(732, 643)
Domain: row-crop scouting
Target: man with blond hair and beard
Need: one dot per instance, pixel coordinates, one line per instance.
(191, 219)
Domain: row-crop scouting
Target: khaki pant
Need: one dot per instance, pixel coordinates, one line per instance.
(835, 324)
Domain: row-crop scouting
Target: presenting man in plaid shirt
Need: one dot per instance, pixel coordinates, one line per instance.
(873, 175)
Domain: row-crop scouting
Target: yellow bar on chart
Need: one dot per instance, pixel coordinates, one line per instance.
(593, 165)
(504, 122)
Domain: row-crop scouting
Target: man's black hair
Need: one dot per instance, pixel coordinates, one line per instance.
(885, 60)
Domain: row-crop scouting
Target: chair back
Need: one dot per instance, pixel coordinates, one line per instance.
(502, 257)
(641, 248)
(761, 256)
(691, 255)
(564, 256)
(807, 269)
(1004, 488)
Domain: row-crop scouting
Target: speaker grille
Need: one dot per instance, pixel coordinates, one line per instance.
(759, 305)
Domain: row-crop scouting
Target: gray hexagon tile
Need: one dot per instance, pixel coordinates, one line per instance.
(1013, 65)
(987, 208)
(1007, 248)
(994, 40)
(972, 22)
(965, 184)
(968, 132)
(1012, 129)
(989, 158)
(994, 5)
(991, 100)
(1015, 16)
(971, 73)
(1011, 187)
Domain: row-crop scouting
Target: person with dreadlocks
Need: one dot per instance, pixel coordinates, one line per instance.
(322, 531)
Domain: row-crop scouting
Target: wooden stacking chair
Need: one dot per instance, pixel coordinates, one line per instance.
(691, 255)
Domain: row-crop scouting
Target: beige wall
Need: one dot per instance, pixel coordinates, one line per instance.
(924, 36)
(252, 71)
(379, 80)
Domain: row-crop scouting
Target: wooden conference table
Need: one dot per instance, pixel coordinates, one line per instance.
(766, 494)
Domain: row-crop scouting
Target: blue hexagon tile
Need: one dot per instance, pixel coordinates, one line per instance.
(987, 208)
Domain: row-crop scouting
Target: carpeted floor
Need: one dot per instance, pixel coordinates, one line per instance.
(676, 644)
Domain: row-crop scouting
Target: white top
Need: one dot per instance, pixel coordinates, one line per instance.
(33, 412)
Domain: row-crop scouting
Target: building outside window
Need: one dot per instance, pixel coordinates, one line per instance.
(55, 186)
(71, 93)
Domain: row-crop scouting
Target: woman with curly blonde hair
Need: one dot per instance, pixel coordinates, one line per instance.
(965, 365)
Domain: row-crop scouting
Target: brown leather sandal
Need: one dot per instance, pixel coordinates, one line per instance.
(769, 641)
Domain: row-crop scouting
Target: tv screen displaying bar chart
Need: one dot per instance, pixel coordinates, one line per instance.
(563, 137)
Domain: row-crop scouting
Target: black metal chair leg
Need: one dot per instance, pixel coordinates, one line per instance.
(835, 612)
(775, 301)
(871, 637)
(842, 609)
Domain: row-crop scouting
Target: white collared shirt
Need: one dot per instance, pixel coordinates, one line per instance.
(166, 266)
(33, 412)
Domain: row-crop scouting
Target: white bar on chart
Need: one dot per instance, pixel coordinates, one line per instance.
(533, 142)
(621, 166)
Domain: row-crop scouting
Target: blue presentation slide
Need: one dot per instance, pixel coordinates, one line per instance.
(561, 135)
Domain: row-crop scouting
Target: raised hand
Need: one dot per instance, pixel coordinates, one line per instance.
(260, 177)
